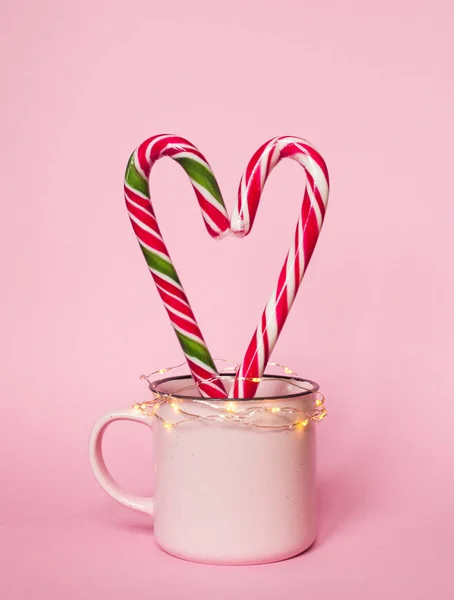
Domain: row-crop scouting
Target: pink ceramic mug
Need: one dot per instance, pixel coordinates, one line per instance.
(228, 489)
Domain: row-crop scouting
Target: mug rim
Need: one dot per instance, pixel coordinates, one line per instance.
(154, 385)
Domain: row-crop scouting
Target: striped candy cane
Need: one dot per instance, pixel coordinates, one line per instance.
(307, 230)
(143, 220)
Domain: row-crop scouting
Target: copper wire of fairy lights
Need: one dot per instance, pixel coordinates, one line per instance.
(230, 411)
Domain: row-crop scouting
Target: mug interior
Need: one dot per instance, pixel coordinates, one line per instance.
(271, 387)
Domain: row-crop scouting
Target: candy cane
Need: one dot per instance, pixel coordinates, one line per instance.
(143, 220)
(307, 230)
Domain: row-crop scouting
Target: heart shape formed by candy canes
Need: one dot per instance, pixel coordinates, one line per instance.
(308, 227)
(215, 215)
(146, 228)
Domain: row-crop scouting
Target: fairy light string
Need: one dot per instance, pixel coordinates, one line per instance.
(240, 412)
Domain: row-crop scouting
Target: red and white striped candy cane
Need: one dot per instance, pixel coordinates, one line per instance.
(307, 230)
(143, 220)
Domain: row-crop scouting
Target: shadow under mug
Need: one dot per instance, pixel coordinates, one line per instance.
(225, 492)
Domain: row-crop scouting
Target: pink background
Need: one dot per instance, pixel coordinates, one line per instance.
(371, 85)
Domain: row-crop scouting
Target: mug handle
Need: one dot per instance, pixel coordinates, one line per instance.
(143, 504)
